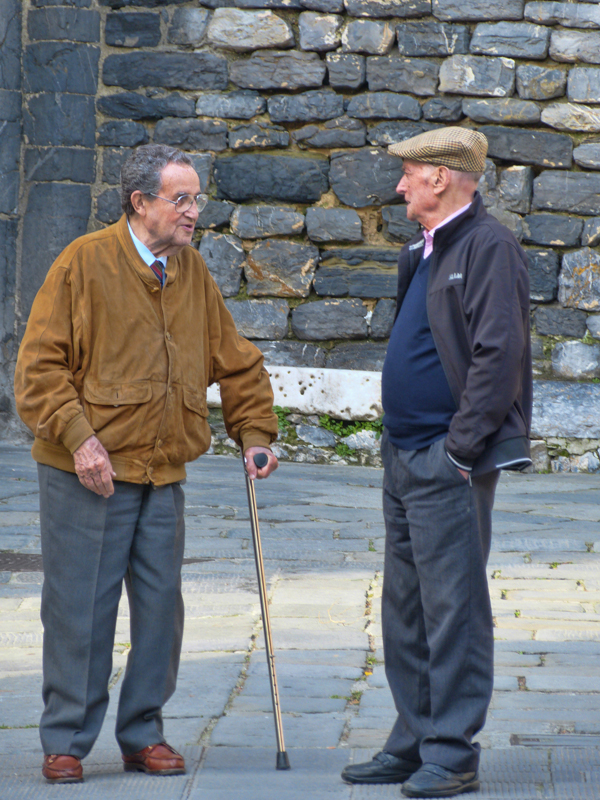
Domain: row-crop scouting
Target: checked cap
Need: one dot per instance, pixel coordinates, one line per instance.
(460, 149)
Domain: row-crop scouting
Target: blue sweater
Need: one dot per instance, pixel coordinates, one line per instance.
(416, 397)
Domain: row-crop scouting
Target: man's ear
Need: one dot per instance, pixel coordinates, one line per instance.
(138, 201)
(440, 179)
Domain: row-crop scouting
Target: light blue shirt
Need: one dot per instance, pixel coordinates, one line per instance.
(145, 254)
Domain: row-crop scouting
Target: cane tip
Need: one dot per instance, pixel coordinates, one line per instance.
(283, 761)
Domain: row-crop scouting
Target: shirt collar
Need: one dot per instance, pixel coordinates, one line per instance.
(145, 254)
(428, 235)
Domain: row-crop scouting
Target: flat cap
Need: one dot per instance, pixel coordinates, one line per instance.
(456, 148)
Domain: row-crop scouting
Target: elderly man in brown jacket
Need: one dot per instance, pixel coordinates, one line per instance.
(124, 337)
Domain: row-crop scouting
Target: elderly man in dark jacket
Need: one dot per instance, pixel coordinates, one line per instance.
(456, 390)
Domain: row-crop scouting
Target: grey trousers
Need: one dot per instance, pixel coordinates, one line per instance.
(89, 546)
(436, 612)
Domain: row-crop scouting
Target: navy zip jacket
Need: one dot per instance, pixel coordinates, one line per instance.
(478, 309)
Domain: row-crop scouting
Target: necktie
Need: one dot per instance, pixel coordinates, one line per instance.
(158, 269)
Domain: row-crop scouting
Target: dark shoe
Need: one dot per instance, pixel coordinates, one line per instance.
(384, 768)
(62, 769)
(157, 759)
(435, 781)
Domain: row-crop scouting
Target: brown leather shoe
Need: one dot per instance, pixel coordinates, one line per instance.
(62, 769)
(157, 759)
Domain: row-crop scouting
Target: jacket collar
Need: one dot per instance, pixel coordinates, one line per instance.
(137, 262)
(446, 233)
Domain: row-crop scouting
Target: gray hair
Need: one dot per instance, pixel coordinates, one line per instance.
(141, 172)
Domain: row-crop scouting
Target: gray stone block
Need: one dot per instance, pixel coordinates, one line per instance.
(552, 229)
(515, 189)
(556, 321)
(388, 8)
(10, 36)
(587, 155)
(328, 6)
(540, 83)
(188, 26)
(341, 132)
(346, 70)
(574, 46)
(513, 39)
(543, 268)
(476, 10)
(529, 147)
(396, 226)
(260, 319)
(192, 134)
(242, 104)
(168, 70)
(512, 221)
(320, 32)
(258, 135)
(112, 161)
(292, 354)
(591, 232)
(444, 109)
(576, 192)
(72, 24)
(571, 117)
(415, 75)
(333, 225)
(108, 206)
(122, 134)
(583, 85)
(60, 119)
(225, 258)
(278, 70)
(386, 105)
(236, 29)
(365, 281)
(10, 148)
(391, 132)
(478, 75)
(61, 67)
(319, 104)
(74, 3)
(330, 319)
(281, 268)
(365, 177)
(10, 106)
(383, 318)
(508, 111)
(46, 204)
(247, 176)
(8, 270)
(130, 105)
(259, 222)
(215, 214)
(132, 30)
(135, 3)
(366, 356)
(576, 360)
(571, 15)
(579, 280)
(59, 164)
(368, 36)
(286, 5)
(319, 437)
(432, 39)
(356, 255)
(203, 164)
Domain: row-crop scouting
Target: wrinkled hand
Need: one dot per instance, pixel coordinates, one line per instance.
(251, 469)
(93, 467)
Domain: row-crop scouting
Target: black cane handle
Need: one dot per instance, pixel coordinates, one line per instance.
(261, 460)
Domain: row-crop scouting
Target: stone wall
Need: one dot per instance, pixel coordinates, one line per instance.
(287, 107)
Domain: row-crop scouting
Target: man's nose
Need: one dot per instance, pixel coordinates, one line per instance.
(192, 211)
(400, 189)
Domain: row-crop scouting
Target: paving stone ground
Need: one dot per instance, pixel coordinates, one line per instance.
(322, 535)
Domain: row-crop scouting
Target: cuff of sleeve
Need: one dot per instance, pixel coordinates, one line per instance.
(460, 463)
(256, 439)
(76, 432)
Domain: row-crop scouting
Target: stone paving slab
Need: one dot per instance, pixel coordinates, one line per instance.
(322, 537)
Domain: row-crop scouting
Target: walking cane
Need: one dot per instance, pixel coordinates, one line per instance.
(260, 459)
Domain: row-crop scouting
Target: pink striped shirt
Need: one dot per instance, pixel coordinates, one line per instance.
(430, 234)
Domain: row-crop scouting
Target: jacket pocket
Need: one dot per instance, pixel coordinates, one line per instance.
(192, 437)
(117, 411)
(195, 401)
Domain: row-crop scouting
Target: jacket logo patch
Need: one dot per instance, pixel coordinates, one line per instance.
(456, 276)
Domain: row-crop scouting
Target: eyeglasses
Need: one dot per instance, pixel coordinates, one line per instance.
(185, 201)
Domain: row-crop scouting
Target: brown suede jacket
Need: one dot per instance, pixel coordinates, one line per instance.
(106, 352)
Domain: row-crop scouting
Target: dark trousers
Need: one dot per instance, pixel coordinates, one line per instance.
(89, 546)
(436, 612)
